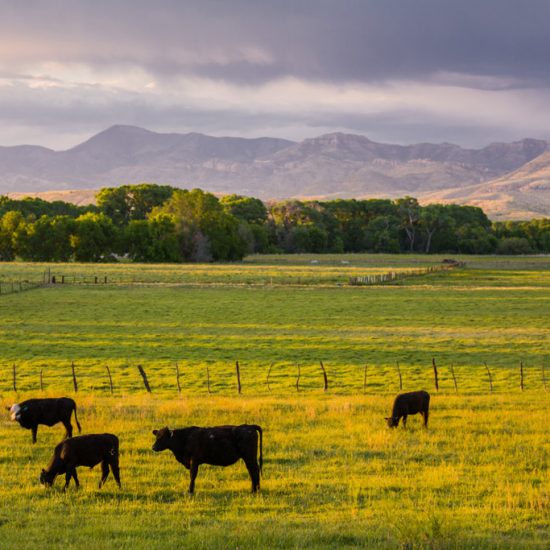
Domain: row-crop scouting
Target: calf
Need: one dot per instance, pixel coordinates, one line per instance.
(219, 446)
(409, 403)
(84, 450)
(50, 411)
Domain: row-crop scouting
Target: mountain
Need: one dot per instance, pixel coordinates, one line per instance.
(508, 178)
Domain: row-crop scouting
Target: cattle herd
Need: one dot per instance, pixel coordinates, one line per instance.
(193, 446)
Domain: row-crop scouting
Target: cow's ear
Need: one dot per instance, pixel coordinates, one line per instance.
(155, 432)
(8, 408)
(387, 417)
(43, 471)
(171, 433)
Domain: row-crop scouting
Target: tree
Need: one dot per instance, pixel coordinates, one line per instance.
(132, 202)
(152, 240)
(205, 230)
(10, 223)
(94, 238)
(433, 218)
(48, 239)
(409, 211)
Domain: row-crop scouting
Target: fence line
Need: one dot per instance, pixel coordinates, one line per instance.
(392, 276)
(17, 380)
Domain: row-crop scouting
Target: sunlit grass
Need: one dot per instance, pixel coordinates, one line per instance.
(334, 476)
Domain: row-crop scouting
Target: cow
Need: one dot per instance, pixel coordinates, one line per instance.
(83, 450)
(218, 446)
(48, 411)
(409, 403)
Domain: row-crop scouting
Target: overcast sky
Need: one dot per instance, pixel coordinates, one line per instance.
(401, 71)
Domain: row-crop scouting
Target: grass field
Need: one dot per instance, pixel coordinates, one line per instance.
(335, 476)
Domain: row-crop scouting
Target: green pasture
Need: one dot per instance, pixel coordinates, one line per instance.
(335, 476)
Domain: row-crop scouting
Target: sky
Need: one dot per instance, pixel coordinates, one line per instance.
(469, 72)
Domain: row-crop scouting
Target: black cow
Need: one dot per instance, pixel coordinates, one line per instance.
(84, 450)
(409, 403)
(219, 446)
(49, 411)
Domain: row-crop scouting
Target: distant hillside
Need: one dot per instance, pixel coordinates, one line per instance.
(509, 180)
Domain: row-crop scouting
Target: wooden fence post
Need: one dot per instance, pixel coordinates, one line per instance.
(435, 374)
(14, 378)
(454, 378)
(110, 378)
(41, 381)
(238, 377)
(267, 379)
(144, 376)
(490, 378)
(521, 375)
(298, 380)
(178, 377)
(365, 379)
(208, 379)
(400, 377)
(75, 385)
(324, 375)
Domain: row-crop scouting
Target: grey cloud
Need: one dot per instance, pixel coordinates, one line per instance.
(323, 39)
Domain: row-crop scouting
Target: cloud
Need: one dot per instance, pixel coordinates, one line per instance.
(437, 70)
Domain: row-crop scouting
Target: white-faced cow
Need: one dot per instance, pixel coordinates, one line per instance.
(409, 403)
(47, 411)
(83, 450)
(218, 446)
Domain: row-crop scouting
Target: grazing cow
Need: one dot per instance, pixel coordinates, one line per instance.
(49, 411)
(409, 403)
(83, 450)
(219, 446)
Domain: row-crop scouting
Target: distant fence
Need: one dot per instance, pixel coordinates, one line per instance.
(79, 279)
(21, 285)
(399, 275)
(11, 287)
(203, 378)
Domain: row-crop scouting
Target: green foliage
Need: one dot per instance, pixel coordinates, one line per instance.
(153, 240)
(202, 227)
(34, 208)
(94, 239)
(132, 202)
(205, 230)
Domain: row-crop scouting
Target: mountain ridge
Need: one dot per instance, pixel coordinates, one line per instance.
(501, 175)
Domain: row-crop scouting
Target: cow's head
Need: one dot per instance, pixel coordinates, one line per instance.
(47, 478)
(393, 421)
(15, 411)
(164, 435)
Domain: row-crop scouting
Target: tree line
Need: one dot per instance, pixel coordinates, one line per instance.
(159, 223)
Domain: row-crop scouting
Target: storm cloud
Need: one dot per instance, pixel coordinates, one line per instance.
(395, 70)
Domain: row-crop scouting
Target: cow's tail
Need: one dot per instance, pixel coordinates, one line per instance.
(76, 418)
(259, 430)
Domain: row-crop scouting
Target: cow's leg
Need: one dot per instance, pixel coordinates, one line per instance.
(70, 471)
(254, 470)
(404, 421)
(34, 430)
(104, 473)
(68, 428)
(116, 471)
(75, 477)
(194, 470)
(425, 419)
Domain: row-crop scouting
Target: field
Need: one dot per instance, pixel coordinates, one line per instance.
(334, 474)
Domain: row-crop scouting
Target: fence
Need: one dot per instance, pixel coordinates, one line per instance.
(318, 377)
(399, 275)
(11, 287)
